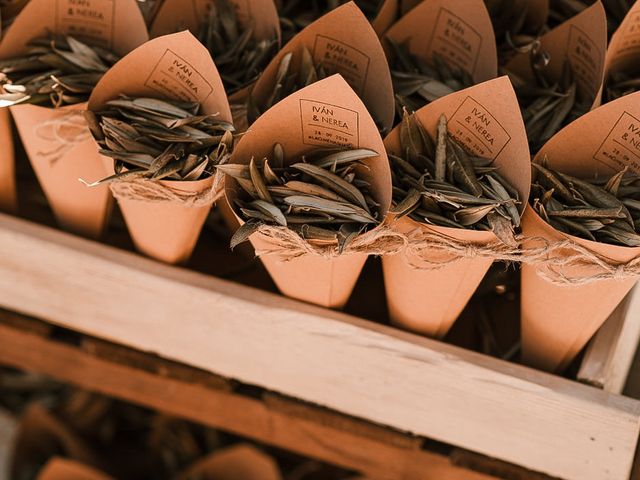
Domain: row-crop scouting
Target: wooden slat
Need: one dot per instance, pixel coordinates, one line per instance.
(609, 355)
(412, 384)
(330, 437)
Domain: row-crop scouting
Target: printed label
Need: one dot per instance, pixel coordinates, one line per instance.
(478, 130)
(456, 41)
(628, 38)
(586, 60)
(326, 124)
(338, 57)
(175, 77)
(87, 19)
(622, 146)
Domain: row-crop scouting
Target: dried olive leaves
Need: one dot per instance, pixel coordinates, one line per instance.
(239, 56)
(160, 139)
(54, 72)
(321, 197)
(601, 210)
(288, 81)
(440, 183)
(548, 106)
(416, 82)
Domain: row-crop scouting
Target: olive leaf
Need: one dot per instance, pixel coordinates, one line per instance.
(320, 195)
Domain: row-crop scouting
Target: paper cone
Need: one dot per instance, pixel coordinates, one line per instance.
(57, 141)
(327, 113)
(8, 200)
(624, 49)
(166, 231)
(63, 469)
(176, 67)
(61, 150)
(344, 41)
(557, 321)
(42, 433)
(582, 40)
(237, 462)
(486, 119)
(460, 31)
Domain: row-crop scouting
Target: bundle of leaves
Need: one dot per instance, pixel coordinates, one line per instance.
(440, 183)
(320, 196)
(600, 209)
(55, 71)
(160, 139)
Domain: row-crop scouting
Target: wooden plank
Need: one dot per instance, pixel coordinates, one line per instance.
(332, 438)
(609, 355)
(529, 418)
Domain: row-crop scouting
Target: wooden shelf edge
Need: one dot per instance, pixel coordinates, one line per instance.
(349, 365)
(327, 436)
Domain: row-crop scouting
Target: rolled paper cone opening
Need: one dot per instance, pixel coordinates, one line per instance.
(8, 196)
(298, 124)
(61, 151)
(558, 320)
(429, 300)
(167, 231)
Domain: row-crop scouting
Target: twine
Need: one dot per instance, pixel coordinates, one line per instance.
(552, 259)
(151, 191)
(288, 245)
(66, 130)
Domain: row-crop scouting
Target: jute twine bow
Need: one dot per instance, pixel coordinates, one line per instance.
(145, 190)
(287, 245)
(65, 131)
(553, 259)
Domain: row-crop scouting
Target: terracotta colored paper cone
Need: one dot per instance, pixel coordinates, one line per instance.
(41, 433)
(582, 40)
(168, 232)
(177, 67)
(64, 469)
(624, 49)
(238, 462)
(557, 320)
(325, 114)
(57, 141)
(460, 31)
(61, 151)
(344, 41)
(8, 200)
(486, 119)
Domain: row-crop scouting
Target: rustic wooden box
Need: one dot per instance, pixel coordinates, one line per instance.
(539, 421)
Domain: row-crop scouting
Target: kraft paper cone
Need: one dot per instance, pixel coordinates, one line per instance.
(325, 114)
(42, 433)
(61, 150)
(557, 321)
(64, 469)
(238, 462)
(57, 141)
(624, 49)
(345, 42)
(175, 67)
(486, 119)
(460, 31)
(8, 200)
(582, 40)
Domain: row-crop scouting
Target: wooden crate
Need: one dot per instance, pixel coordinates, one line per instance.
(365, 370)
